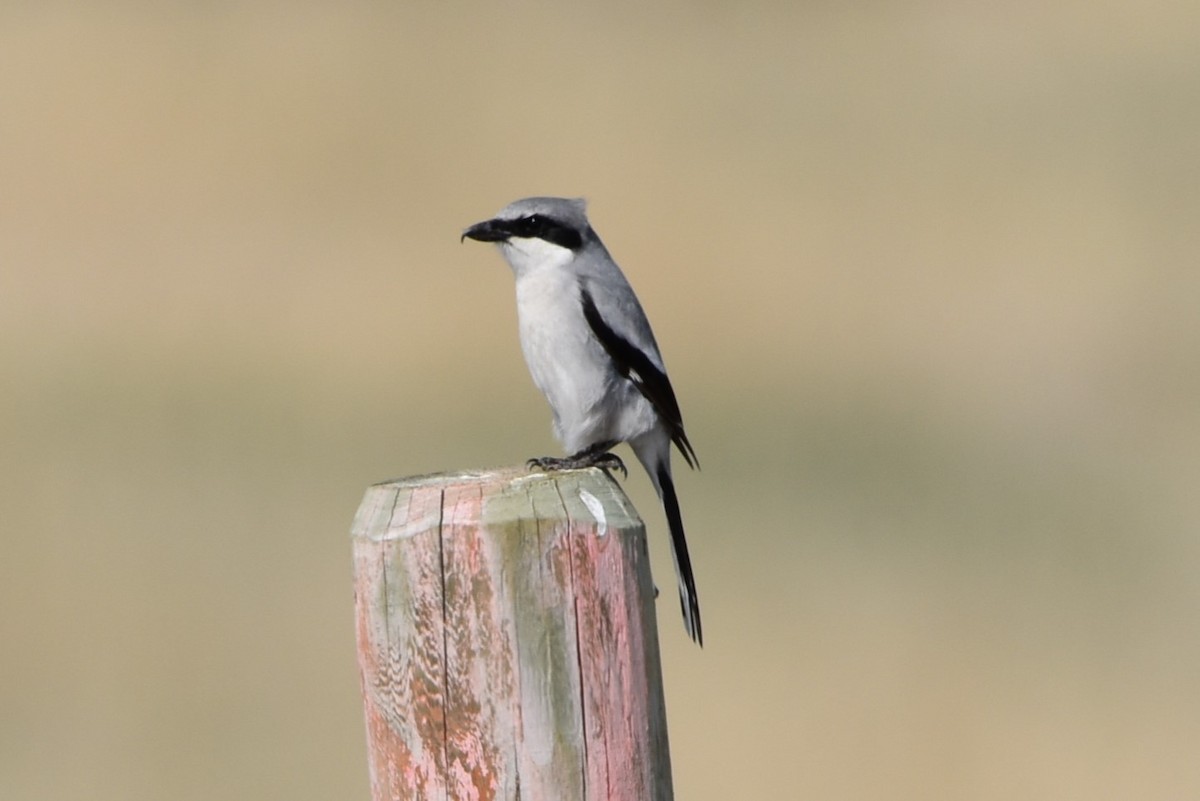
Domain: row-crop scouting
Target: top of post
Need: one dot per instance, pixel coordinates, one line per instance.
(392, 509)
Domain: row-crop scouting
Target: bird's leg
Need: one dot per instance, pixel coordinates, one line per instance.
(592, 456)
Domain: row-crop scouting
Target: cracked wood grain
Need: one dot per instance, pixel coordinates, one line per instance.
(507, 640)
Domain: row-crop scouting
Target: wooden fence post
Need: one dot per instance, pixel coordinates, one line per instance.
(507, 640)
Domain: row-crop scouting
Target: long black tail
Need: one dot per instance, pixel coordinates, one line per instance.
(688, 599)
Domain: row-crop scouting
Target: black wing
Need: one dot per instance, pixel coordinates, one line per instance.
(635, 366)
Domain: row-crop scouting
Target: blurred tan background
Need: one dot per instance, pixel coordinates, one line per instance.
(925, 275)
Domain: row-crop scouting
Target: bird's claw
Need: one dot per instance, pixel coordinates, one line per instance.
(543, 463)
(610, 461)
(605, 461)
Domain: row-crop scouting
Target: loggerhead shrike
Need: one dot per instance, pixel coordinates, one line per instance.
(592, 354)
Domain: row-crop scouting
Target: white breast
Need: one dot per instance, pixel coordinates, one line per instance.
(590, 401)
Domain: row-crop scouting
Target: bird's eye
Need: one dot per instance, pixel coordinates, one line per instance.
(529, 226)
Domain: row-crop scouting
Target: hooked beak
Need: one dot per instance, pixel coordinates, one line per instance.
(486, 231)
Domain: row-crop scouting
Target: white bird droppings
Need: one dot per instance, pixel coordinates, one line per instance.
(597, 509)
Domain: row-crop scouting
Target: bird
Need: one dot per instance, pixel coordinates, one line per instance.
(591, 352)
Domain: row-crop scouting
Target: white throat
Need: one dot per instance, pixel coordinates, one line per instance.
(533, 255)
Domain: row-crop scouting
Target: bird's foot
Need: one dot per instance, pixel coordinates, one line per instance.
(596, 456)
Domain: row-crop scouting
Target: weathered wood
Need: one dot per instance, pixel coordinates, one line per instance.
(507, 640)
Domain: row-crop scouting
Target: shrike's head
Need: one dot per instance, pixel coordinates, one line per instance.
(537, 232)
